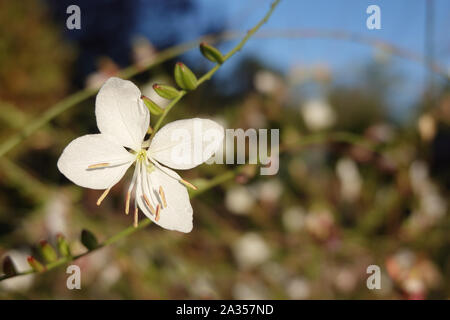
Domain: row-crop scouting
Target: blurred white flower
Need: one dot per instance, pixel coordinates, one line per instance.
(269, 191)
(345, 280)
(427, 127)
(349, 178)
(56, 214)
(109, 275)
(143, 51)
(266, 82)
(22, 283)
(318, 114)
(298, 288)
(294, 219)
(250, 290)
(239, 200)
(203, 288)
(251, 250)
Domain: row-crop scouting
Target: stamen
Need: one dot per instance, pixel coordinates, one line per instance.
(103, 196)
(158, 207)
(147, 202)
(135, 224)
(127, 203)
(163, 197)
(130, 188)
(99, 165)
(188, 184)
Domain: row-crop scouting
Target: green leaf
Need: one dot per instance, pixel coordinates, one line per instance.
(88, 239)
(9, 268)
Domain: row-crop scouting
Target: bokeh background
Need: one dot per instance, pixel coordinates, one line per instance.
(316, 73)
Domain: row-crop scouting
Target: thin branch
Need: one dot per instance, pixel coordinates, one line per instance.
(213, 70)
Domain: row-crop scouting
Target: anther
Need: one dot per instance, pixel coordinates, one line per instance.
(135, 224)
(127, 203)
(157, 212)
(98, 165)
(103, 196)
(163, 197)
(147, 202)
(188, 184)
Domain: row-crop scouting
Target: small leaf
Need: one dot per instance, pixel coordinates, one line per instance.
(47, 252)
(9, 268)
(166, 91)
(63, 246)
(88, 239)
(152, 106)
(184, 77)
(35, 265)
(211, 53)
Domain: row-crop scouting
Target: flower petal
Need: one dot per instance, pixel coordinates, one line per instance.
(178, 213)
(184, 144)
(91, 150)
(121, 113)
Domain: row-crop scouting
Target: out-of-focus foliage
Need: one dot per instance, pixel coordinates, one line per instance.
(33, 59)
(311, 231)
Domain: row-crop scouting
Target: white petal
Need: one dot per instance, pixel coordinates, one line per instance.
(178, 213)
(184, 144)
(121, 112)
(90, 150)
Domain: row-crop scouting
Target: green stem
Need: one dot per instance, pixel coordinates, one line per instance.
(126, 232)
(213, 70)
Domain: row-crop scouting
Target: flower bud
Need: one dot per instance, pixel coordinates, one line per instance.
(88, 239)
(47, 251)
(152, 106)
(166, 91)
(63, 246)
(211, 53)
(184, 77)
(35, 265)
(9, 268)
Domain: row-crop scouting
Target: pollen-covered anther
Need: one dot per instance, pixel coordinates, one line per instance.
(188, 184)
(163, 197)
(149, 205)
(127, 203)
(103, 196)
(99, 165)
(158, 209)
(135, 224)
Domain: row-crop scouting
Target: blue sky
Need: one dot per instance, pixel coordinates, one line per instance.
(402, 24)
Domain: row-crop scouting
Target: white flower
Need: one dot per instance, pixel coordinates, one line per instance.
(99, 161)
(318, 114)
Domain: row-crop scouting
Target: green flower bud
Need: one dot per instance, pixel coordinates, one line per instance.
(166, 91)
(9, 268)
(152, 106)
(88, 239)
(211, 53)
(47, 251)
(184, 77)
(35, 265)
(63, 246)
